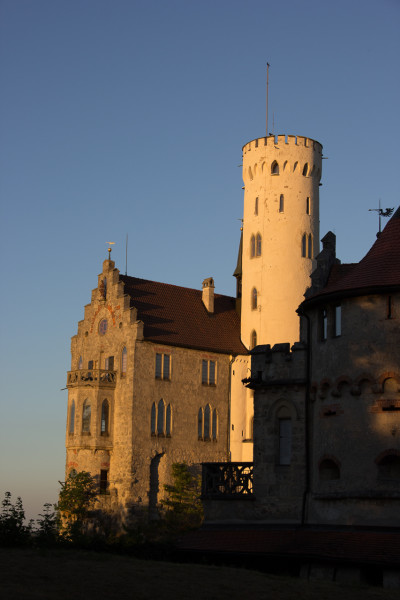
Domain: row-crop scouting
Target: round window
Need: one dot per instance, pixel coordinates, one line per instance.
(103, 326)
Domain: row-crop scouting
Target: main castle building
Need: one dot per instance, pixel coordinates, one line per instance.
(157, 370)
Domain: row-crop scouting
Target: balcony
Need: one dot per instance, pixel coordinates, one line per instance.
(92, 378)
(227, 481)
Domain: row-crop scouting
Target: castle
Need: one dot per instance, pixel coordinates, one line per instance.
(163, 374)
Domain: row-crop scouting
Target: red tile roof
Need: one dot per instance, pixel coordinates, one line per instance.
(380, 267)
(176, 316)
(365, 547)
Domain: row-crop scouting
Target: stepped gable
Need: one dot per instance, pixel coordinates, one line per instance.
(176, 316)
(380, 267)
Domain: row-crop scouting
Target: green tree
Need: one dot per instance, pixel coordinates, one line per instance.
(183, 505)
(47, 526)
(13, 531)
(75, 505)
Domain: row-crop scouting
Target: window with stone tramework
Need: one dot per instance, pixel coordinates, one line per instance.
(208, 372)
(105, 418)
(338, 320)
(124, 360)
(86, 416)
(109, 363)
(163, 366)
(253, 299)
(161, 419)
(72, 418)
(285, 441)
(207, 424)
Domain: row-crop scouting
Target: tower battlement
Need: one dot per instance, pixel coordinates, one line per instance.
(289, 140)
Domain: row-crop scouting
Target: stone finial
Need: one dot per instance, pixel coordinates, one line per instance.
(208, 294)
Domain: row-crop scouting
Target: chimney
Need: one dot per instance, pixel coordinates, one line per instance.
(208, 294)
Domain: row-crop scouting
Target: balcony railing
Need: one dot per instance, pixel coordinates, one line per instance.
(222, 481)
(97, 377)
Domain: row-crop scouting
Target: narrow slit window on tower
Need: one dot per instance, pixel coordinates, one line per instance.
(304, 246)
(324, 324)
(207, 419)
(338, 320)
(256, 206)
(86, 415)
(72, 418)
(253, 339)
(254, 299)
(124, 357)
(389, 314)
(281, 203)
(308, 206)
(160, 417)
(252, 246)
(310, 246)
(214, 424)
(305, 170)
(105, 418)
(258, 245)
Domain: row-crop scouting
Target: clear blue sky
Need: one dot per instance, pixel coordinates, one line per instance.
(128, 117)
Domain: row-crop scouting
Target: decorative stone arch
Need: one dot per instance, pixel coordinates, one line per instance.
(283, 403)
(362, 380)
(388, 465)
(324, 388)
(329, 468)
(339, 385)
(389, 380)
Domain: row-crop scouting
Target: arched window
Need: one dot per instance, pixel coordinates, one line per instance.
(80, 363)
(310, 246)
(200, 424)
(252, 246)
(124, 358)
(153, 419)
(86, 416)
(72, 417)
(281, 203)
(168, 421)
(253, 298)
(305, 169)
(274, 168)
(389, 467)
(304, 246)
(207, 418)
(160, 417)
(258, 245)
(253, 339)
(328, 470)
(214, 424)
(105, 418)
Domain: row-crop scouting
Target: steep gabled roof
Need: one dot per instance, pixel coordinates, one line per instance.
(176, 316)
(378, 271)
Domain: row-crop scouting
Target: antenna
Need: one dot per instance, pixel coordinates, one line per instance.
(109, 249)
(267, 95)
(126, 255)
(382, 213)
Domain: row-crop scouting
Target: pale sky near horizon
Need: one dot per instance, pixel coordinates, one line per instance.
(128, 117)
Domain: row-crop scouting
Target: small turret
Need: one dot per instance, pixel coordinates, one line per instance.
(208, 294)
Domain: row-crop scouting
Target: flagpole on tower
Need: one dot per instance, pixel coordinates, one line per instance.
(267, 98)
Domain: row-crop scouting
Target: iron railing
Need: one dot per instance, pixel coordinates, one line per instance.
(100, 377)
(227, 481)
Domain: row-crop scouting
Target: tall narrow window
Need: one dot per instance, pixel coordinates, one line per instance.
(305, 170)
(200, 424)
(208, 372)
(163, 366)
(256, 206)
(72, 417)
(124, 360)
(252, 246)
(160, 417)
(105, 418)
(389, 314)
(281, 203)
(304, 246)
(285, 441)
(153, 418)
(310, 246)
(207, 418)
(338, 320)
(103, 481)
(258, 245)
(274, 168)
(80, 363)
(253, 339)
(214, 424)
(109, 363)
(211, 372)
(168, 421)
(308, 206)
(324, 324)
(86, 416)
(254, 299)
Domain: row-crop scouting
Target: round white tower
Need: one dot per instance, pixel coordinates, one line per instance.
(281, 175)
